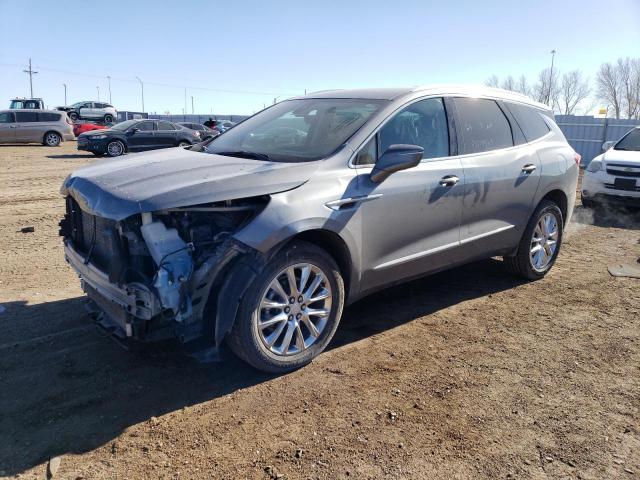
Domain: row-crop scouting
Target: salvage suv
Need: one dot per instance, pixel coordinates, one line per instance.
(262, 235)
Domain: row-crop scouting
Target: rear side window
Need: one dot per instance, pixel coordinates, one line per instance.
(145, 126)
(165, 126)
(482, 126)
(48, 117)
(26, 117)
(6, 117)
(530, 120)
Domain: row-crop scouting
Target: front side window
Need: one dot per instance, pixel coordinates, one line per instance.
(6, 117)
(298, 130)
(26, 117)
(631, 141)
(423, 123)
(482, 126)
(145, 126)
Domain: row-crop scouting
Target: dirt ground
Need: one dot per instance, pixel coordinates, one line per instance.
(465, 374)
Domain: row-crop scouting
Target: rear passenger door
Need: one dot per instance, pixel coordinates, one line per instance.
(165, 135)
(27, 127)
(502, 173)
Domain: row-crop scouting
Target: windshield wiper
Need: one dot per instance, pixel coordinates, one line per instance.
(245, 154)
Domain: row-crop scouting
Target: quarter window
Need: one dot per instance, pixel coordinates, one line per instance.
(482, 125)
(423, 123)
(26, 117)
(369, 153)
(530, 120)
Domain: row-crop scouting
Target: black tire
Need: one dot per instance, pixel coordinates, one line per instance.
(520, 264)
(73, 116)
(115, 148)
(51, 139)
(244, 340)
(108, 118)
(184, 143)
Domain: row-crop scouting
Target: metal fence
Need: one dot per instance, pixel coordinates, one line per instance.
(198, 118)
(587, 134)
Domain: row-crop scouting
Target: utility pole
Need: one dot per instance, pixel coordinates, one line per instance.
(98, 88)
(31, 73)
(109, 80)
(142, 87)
(192, 105)
(185, 101)
(553, 55)
(65, 93)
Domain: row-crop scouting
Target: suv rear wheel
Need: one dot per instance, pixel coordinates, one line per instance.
(540, 243)
(108, 118)
(51, 139)
(73, 116)
(291, 311)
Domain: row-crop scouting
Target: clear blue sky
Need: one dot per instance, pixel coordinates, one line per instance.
(279, 48)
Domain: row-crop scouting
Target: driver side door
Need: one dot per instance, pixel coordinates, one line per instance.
(143, 138)
(410, 222)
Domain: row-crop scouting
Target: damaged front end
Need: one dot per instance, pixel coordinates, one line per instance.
(159, 275)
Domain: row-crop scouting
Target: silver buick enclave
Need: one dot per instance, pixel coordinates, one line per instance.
(260, 236)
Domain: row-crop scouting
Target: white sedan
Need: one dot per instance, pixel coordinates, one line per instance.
(614, 176)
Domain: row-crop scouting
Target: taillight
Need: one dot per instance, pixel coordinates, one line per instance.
(577, 157)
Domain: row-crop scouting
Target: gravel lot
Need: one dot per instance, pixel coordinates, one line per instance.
(465, 374)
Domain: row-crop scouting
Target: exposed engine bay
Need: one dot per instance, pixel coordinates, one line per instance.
(151, 274)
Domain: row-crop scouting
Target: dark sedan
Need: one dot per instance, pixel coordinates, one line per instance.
(136, 136)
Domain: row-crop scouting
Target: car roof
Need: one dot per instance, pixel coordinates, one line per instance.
(444, 89)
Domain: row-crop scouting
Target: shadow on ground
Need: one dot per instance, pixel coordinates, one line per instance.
(69, 388)
(71, 156)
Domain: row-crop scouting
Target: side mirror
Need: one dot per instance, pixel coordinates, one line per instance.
(607, 145)
(134, 130)
(394, 159)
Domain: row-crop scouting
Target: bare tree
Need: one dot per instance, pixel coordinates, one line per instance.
(523, 86)
(492, 81)
(629, 69)
(509, 83)
(547, 89)
(610, 87)
(573, 90)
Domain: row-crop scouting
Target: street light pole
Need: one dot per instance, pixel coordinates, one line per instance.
(192, 105)
(142, 86)
(65, 93)
(98, 88)
(553, 55)
(109, 80)
(31, 73)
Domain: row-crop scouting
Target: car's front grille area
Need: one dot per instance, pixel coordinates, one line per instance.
(92, 235)
(621, 170)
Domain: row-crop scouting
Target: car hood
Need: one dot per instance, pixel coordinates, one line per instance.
(176, 177)
(621, 156)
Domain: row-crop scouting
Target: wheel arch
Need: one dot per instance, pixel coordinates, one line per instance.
(558, 197)
(52, 130)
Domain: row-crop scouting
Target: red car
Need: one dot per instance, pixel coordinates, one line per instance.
(79, 128)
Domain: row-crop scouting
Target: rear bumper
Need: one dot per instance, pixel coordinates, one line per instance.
(121, 304)
(67, 137)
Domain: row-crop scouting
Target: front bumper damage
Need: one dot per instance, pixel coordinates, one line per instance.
(181, 300)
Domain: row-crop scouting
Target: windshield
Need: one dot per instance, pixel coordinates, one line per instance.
(631, 141)
(296, 130)
(16, 104)
(124, 125)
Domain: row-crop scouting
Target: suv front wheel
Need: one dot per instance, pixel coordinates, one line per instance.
(290, 311)
(540, 243)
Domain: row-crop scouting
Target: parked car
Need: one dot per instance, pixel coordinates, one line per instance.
(614, 176)
(49, 127)
(136, 136)
(222, 125)
(264, 246)
(83, 127)
(29, 103)
(91, 111)
(205, 132)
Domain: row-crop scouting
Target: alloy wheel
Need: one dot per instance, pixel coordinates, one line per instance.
(294, 309)
(544, 242)
(115, 149)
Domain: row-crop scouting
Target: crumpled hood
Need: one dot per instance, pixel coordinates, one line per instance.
(176, 177)
(621, 156)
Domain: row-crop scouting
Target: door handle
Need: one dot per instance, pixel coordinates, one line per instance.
(529, 168)
(449, 181)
